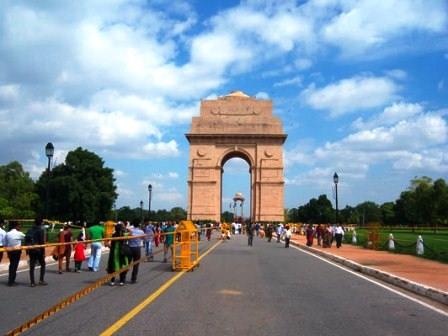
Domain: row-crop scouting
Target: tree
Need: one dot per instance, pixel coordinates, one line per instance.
(369, 212)
(80, 189)
(177, 214)
(227, 217)
(388, 213)
(17, 195)
(316, 211)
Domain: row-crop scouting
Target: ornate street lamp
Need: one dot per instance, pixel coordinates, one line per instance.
(49, 152)
(149, 200)
(336, 180)
(141, 211)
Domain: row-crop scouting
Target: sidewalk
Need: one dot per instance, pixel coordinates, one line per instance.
(422, 276)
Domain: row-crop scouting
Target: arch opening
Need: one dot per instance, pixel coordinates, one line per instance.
(236, 190)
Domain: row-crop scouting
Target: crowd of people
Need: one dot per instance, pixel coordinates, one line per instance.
(134, 236)
(122, 252)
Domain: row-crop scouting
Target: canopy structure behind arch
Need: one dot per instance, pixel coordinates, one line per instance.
(236, 125)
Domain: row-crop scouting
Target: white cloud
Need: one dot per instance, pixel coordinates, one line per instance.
(352, 94)
(365, 24)
(397, 74)
(262, 95)
(161, 149)
(390, 115)
(297, 80)
(303, 63)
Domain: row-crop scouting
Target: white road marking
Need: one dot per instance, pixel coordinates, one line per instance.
(424, 304)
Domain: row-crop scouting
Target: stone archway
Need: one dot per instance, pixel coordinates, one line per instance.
(236, 125)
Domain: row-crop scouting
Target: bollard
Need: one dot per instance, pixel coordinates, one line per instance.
(354, 239)
(391, 243)
(420, 247)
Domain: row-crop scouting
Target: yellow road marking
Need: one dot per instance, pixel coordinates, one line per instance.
(137, 309)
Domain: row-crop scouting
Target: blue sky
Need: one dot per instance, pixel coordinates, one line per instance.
(361, 87)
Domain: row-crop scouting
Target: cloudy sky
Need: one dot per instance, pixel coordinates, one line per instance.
(361, 87)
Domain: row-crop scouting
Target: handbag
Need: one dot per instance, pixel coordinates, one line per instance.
(125, 250)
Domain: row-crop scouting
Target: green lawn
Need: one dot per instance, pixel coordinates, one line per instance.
(436, 244)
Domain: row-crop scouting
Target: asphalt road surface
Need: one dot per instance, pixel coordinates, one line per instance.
(237, 290)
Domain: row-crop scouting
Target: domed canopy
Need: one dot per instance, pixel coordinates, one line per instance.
(240, 94)
(238, 197)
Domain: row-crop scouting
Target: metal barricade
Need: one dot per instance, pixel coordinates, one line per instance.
(185, 247)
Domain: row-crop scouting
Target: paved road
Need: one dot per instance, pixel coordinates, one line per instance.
(264, 290)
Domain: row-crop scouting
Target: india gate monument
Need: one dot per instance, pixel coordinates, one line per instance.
(236, 125)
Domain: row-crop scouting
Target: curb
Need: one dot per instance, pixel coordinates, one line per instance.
(414, 287)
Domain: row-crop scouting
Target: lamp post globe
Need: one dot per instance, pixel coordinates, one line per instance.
(49, 152)
(141, 211)
(336, 181)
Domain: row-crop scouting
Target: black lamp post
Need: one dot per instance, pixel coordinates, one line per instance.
(336, 180)
(49, 151)
(149, 200)
(141, 211)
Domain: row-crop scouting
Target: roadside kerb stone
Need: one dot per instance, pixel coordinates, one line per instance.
(432, 293)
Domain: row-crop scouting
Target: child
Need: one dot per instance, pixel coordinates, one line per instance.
(79, 253)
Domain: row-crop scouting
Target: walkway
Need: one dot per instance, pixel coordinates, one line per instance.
(423, 271)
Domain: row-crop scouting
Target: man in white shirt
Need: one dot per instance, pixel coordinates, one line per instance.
(338, 234)
(14, 239)
(2, 239)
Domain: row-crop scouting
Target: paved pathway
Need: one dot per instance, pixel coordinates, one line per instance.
(427, 272)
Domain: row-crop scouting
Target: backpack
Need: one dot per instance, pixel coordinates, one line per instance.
(30, 237)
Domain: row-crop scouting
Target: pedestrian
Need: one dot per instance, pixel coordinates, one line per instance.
(257, 228)
(157, 235)
(279, 232)
(319, 234)
(95, 232)
(118, 260)
(65, 251)
(2, 238)
(269, 232)
(136, 248)
(287, 235)
(168, 240)
(338, 235)
(309, 233)
(149, 239)
(250, 234)
(208, 231)
(36, 236)
(13, 241)
(79, 255)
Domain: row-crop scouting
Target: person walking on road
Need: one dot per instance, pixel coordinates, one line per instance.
(95, 232)
(168, 241)
(13, 239)
(319, 233)
(36, 236)
(279, 232)
(288, 235)
(136, 248)
(2, 239)
(117, 260)
(79, 255)
(250, 234)
(338, 235)
(269, 232)
(309, 233)
(65, 251)
(149, 239)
